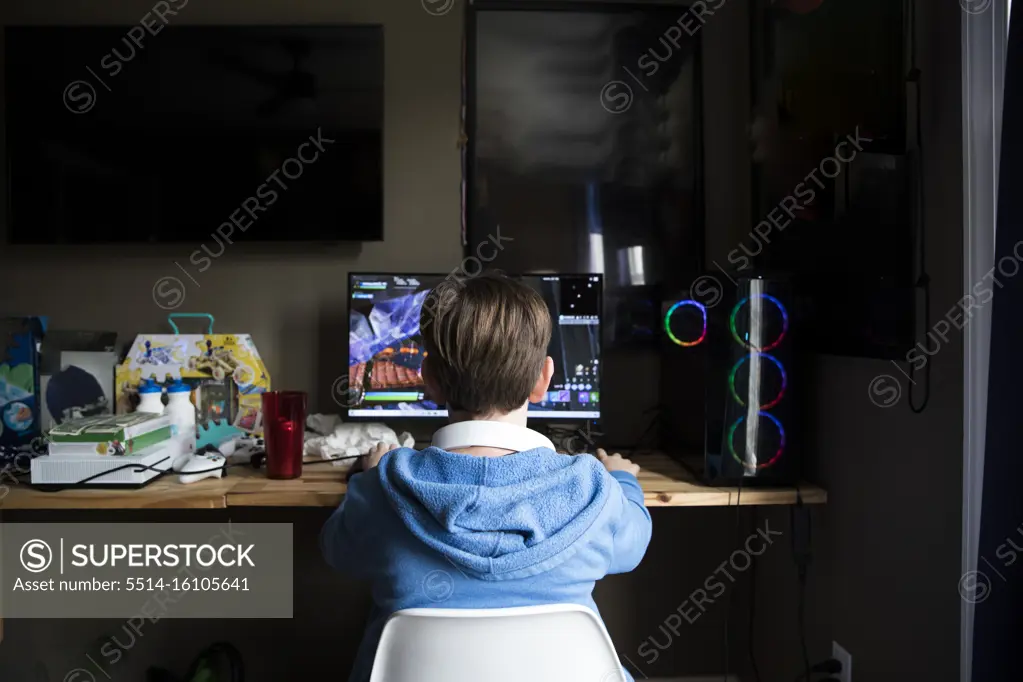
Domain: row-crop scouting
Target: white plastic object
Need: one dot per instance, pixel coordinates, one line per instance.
(151, 403)
(182, 413)
(181, 459)
(552, 643)
(198, 467)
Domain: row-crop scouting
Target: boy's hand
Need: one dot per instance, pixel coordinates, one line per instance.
(616, 462)
(376, 454)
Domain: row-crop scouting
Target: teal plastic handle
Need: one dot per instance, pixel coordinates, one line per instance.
(170, 320)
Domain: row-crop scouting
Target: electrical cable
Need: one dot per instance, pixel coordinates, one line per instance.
(919, 213)
(139, 467)
(802, 625)
(753, 608)
(728, 597)
(801, 554)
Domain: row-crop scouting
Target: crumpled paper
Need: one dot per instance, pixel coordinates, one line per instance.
(348, 440)
(322, 424)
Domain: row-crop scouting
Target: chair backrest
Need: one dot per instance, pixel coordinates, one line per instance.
(555, 643)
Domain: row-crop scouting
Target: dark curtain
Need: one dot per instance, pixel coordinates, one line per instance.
(997, 587)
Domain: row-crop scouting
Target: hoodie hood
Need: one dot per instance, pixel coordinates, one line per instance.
(497, 518)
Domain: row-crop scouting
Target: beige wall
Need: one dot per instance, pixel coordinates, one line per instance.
(291, 299)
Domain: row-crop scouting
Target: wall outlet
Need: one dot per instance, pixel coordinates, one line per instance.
(845, 658)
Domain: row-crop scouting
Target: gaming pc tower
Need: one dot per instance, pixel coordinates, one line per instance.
(692, 355)
(728, 364)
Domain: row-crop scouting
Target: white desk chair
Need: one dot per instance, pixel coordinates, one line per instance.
(556, 643)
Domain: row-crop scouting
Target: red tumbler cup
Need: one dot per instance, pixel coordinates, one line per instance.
(284, 433)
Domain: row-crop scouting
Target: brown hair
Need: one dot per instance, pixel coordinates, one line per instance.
(486, 338)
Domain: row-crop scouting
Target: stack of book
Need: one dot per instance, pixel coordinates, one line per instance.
(110, 434)
(99, 448)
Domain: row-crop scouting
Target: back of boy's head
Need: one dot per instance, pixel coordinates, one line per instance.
(486, 339)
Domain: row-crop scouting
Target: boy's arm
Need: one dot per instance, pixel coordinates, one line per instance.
(632, 534)
(343, 537)
(346, 538)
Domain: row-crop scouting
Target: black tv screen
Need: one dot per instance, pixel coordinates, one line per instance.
(165, 133)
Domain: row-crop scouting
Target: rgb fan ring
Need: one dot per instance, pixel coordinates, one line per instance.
(784, 323)
(765, 356)
(781, 440)
(667, 323)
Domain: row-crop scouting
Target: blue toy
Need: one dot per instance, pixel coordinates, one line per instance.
(215, 433)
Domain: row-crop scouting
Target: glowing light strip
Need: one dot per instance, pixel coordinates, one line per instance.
(781, 445)
(784, 323)
(735, 371)
(667, 323)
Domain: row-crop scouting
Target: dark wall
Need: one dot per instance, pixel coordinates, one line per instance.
(887, 546)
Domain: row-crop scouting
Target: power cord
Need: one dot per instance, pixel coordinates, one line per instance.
(728, 598)
(256, 462)
(923, 281)
(801, 527)
(753, 608)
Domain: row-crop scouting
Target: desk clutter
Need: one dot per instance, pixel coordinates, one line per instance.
(72, 415)
(131, 450)
(185, 404)
(733, 382)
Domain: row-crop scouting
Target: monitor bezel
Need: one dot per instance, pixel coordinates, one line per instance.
(396, 415)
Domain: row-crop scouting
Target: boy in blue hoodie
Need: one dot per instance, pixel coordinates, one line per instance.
(488, 516)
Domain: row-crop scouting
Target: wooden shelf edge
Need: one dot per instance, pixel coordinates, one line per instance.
(136, 500)
(664, 481)
(235, 500)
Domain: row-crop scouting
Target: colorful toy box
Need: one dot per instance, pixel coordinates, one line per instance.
(227, 375)
(20, 339)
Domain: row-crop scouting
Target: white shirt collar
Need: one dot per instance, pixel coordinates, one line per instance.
(489, 434)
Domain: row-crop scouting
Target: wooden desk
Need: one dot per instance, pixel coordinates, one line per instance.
(665, 484)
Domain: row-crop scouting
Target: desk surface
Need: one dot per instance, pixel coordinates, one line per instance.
(665, 484)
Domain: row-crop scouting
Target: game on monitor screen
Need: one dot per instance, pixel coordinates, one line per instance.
(385, 350)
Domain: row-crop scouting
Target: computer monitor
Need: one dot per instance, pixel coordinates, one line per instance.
(385, 350)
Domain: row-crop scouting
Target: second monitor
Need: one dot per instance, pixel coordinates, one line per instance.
(385, 350)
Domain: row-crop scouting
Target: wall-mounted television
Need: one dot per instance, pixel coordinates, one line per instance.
(159, 132)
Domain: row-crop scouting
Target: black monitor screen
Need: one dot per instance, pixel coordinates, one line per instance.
(194, 134)
(385, 349)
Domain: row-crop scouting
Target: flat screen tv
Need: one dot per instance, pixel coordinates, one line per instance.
(165, 133)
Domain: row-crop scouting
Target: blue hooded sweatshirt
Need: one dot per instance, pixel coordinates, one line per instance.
(438, 529)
